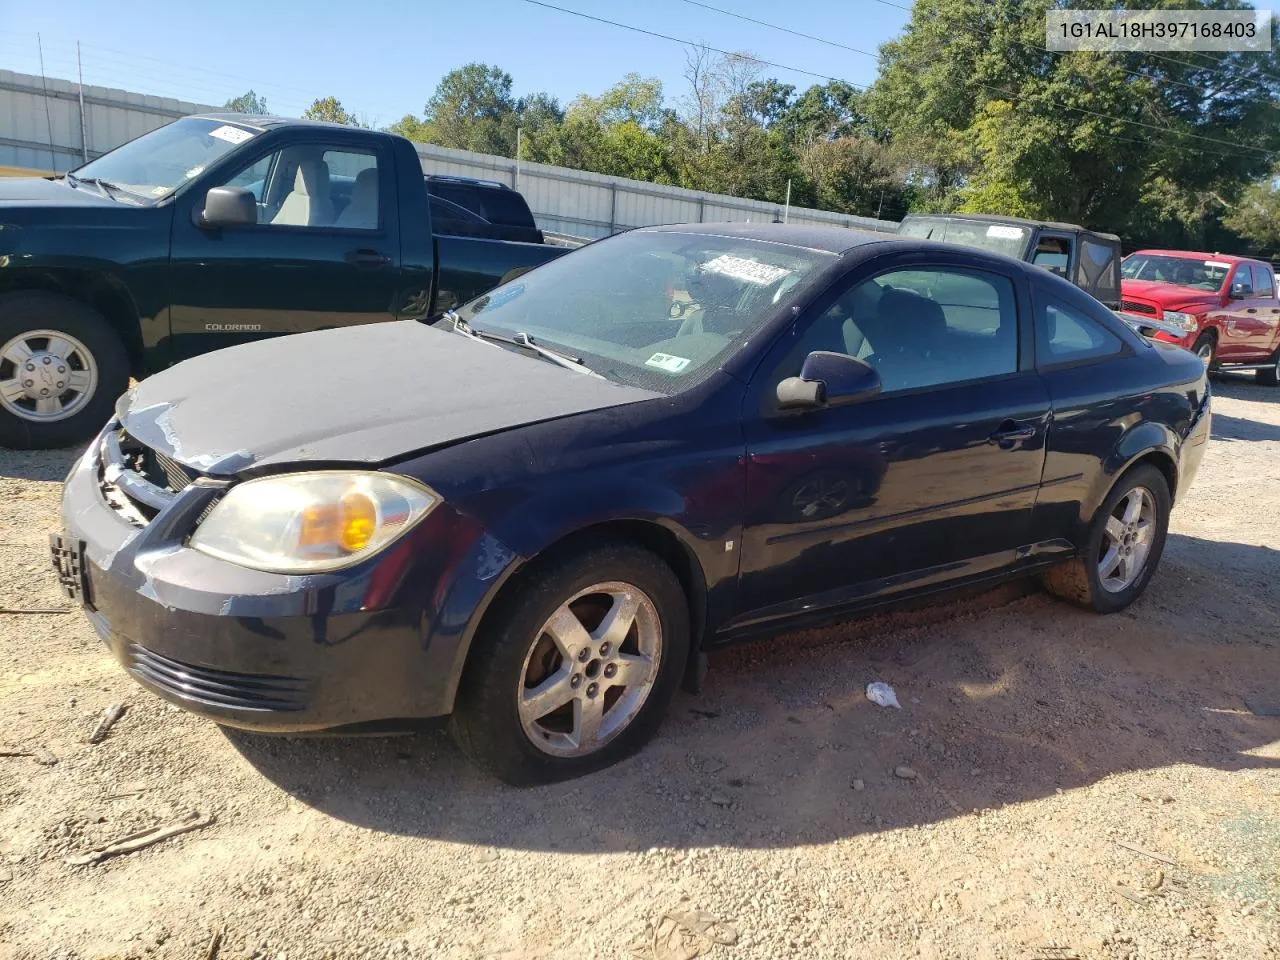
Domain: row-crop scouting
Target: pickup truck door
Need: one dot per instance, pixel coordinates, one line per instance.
(1249, 331)
(1263, 312)
(325, 251)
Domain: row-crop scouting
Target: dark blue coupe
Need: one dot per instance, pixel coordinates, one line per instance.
(538, 512)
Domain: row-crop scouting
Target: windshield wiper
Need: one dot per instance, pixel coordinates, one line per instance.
(523, 341)
(106, 187)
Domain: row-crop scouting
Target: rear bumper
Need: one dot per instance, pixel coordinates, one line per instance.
(272, 652)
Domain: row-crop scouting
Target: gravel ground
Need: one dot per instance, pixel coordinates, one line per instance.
(769, 819)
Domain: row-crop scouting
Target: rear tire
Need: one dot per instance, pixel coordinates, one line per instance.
(1100, 578)
(62, 368)
(1270, 376)
(546, 694)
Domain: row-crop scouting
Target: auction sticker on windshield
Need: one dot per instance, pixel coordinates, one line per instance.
(231, 134)
(740, 268)
(1004, 233)
(666, 362)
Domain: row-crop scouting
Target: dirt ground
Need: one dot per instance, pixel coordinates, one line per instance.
(1085, 787)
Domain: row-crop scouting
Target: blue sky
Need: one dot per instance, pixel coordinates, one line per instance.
(384, 59)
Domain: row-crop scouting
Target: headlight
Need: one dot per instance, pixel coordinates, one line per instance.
(311, 522)
(1187, 321)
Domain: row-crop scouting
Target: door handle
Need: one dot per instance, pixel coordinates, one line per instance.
(367, 258)
(1010, 433)
(1251, 310)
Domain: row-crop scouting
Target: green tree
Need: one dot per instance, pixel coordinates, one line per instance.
(330, 109)
(986, 119)
(1256, 216)
(473, 109)
(247, 103)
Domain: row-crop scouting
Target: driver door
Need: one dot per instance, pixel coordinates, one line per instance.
(321, 254)
(932, 481)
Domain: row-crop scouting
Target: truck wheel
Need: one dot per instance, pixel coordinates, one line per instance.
(1271, 375)
(1125, 542)
(576, 669)
(61, 369)
(1204, 348)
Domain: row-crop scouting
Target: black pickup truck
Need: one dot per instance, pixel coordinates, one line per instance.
(212, 231)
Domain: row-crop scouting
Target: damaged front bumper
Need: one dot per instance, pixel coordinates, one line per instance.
(378, 642)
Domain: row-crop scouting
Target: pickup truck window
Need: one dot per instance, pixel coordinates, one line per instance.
(1264, 284)
(159, 162)
(313, 186)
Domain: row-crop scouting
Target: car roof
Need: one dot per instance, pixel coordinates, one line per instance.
(828, 239)
(1021, 221)
(1197, 255)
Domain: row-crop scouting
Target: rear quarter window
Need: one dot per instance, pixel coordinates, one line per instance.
(1067, 333)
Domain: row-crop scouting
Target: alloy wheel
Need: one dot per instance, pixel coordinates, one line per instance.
(1127, 540)
(590, 669)
(46, 375)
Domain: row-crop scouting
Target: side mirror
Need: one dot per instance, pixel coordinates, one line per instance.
(227, 207)
(828, 380)
(1241, 290)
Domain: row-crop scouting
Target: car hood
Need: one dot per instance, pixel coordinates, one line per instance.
(1170, 296)
(39, 193)
(365, 394)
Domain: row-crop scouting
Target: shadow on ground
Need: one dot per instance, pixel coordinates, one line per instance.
(1243, 386)
(1225, 427)
(38, 464)
(1006, 698)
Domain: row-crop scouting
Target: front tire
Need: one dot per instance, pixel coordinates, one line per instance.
(1126, 540)
(61, 369)
(575, 670)
(1205, 348)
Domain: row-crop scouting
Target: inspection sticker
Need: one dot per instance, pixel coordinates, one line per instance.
(1004, 233)
(740, 268)
(666, 362)
(231, 134)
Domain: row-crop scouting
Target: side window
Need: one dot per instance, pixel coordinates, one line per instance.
(1053, 254)
(1244, 276)
(254, 178)
(922, 328)
(314, 186)
(1066, 335)
(1264, 284)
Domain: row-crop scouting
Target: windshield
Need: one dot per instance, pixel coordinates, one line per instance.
(657, 310)
(159, 162)
(1182, 271)
(1003, 238)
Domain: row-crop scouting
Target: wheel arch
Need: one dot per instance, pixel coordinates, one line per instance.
(1128, 456)
(650, 534)
(100, 292)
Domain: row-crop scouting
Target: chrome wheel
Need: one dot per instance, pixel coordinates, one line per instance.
(590, 669)
(1127, 540)
(46, 375)
(1205, 352)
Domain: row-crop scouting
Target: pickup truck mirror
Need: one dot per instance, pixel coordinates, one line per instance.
(828, 380)
(1241, 290)
(228, 207)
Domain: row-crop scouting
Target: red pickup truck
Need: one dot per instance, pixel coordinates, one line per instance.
(1225, 307)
